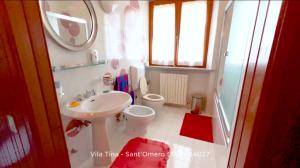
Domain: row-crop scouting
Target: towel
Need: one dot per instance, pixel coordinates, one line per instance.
(122, 83)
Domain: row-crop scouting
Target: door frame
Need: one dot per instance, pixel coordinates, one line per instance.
(255, 142)
(220, 71)
(25, 34)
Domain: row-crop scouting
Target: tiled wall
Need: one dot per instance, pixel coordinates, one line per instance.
(122, 36)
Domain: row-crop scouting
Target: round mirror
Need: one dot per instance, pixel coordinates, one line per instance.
(72, 24)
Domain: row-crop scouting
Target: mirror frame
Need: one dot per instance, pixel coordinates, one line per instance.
(63, 43)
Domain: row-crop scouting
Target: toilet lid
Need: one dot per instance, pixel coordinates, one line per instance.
(143, 86)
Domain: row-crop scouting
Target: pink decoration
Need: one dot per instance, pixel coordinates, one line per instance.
(127, 9)
(64, 22)
(133, 5)
(115, 63)
(74, 29)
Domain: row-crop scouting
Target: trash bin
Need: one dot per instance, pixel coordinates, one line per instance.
(198, 104)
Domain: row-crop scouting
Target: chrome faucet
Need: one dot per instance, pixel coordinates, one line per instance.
(87, 94)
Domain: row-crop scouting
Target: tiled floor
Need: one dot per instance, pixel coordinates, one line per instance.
(185, 152)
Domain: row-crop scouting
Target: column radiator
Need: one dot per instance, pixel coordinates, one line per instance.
(174, 88)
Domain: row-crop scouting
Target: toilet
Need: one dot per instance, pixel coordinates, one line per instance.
(139, 84)
(154, 101)
(137, 119)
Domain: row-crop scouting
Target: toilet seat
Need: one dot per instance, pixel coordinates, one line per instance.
(153, 97)
(149, 96)
(155, 101)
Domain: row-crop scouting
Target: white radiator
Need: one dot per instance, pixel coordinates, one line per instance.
(174, 88)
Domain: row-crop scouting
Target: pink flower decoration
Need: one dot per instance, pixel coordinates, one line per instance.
(115, 63)
(64, 22)
(133, 5)
(74, 29)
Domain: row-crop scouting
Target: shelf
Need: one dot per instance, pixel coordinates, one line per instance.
(63, 67)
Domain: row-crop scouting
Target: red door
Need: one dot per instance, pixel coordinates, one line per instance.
(30, 127)
(16, 142)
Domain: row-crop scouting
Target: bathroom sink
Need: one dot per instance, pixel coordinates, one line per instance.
(96, 109)
(102, 105)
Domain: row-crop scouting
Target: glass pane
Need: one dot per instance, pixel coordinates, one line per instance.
(241, 32)
(163, 34)
(192, 31)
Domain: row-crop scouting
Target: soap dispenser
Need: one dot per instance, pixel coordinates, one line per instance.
(95, 57)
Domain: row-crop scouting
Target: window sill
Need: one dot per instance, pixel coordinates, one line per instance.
(178, 68)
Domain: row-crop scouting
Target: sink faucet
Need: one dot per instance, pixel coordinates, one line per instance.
(87, 94)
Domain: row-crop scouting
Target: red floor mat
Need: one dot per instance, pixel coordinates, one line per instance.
(198, 127)
(142, 153)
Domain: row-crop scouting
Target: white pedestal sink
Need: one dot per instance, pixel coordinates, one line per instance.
(96, 109)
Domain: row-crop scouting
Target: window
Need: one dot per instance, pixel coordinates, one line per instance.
(179, 32)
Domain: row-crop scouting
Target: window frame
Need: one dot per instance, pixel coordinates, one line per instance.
(178, 5)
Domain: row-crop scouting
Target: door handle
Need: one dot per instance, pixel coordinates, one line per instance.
(226, 53)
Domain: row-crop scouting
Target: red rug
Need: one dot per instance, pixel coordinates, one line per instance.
(198, 127)
(142, 153)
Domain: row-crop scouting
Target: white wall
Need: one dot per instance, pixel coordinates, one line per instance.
(114, 30)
